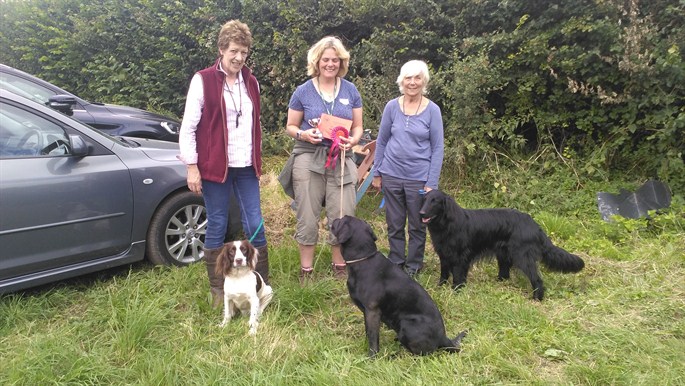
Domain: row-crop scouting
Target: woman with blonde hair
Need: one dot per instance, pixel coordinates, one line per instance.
(313, 184)
(407, 163)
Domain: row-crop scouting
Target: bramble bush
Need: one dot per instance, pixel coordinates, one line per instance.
(600, 82)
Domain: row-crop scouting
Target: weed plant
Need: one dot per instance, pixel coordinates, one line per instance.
(620, 321)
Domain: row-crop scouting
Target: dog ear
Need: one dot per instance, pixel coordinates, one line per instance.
(222, 262)
(253, 255)
(344, 233)
(443, 201)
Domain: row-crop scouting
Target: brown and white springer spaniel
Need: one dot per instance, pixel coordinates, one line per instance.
(244, 288)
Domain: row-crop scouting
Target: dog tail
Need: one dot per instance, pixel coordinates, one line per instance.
(455, 345)
(558, 259)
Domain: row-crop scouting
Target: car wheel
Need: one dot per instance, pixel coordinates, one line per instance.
(177, 231)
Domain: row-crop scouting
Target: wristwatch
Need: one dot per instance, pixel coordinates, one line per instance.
(297, 136)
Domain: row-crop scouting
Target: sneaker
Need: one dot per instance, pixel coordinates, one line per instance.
(306, 275)
(339, 271)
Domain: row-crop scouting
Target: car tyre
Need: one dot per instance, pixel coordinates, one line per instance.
(177, 230)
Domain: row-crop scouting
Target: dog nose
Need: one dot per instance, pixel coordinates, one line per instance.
(238, 261)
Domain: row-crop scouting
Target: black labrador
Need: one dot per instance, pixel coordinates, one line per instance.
(387, 294)
(462, 236)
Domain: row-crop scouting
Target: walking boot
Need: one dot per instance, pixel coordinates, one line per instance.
(263, 263)
(339, 271)
(306, 275)
(216, 282)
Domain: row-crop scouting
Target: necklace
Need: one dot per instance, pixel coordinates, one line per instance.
(325, 104)
(239, 111)
(404, 110)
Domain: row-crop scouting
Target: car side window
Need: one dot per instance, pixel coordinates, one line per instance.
(25, 134)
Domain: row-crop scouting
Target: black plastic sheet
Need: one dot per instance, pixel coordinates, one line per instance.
(651, 195)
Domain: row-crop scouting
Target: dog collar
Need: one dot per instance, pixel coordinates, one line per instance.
(358, 260)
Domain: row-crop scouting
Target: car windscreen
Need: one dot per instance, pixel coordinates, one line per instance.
(25, 88)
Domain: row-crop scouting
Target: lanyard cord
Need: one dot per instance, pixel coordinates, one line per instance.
(335, 91)
(238, 111)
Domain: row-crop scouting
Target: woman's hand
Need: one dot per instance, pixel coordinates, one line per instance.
(311, 135)
(194, 179)
(376, 183)
(347, 143)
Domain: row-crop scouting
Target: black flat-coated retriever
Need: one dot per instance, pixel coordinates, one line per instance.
(461, 236)
(385, 293)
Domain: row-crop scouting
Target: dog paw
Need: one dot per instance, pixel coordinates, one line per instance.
(458, 286)
(253, 331)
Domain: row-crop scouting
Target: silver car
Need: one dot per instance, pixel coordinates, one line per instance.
(74, 200)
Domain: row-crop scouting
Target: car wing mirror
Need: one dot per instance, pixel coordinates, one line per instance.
(62, 103)
(79, 147)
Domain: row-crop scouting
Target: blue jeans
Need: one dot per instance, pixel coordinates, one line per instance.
(243, 182)
(402, 205)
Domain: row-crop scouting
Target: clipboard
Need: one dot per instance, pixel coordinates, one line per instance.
(328, 122)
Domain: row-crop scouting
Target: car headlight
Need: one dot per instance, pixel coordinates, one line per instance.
(171, 127)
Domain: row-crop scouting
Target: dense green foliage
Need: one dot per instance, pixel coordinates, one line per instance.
(602, 82)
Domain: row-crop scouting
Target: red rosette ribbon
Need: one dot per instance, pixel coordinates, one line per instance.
(337, 133)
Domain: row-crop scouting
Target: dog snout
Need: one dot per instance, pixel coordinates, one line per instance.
(423, 213)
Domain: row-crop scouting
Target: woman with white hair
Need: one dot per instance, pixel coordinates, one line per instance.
(407, 163)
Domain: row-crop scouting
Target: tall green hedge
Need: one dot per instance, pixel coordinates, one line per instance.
(601, 82)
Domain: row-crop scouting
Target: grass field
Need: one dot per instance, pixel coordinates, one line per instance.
(620, 321)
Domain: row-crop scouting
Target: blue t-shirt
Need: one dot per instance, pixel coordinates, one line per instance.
(410, 147)
(307, 99)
